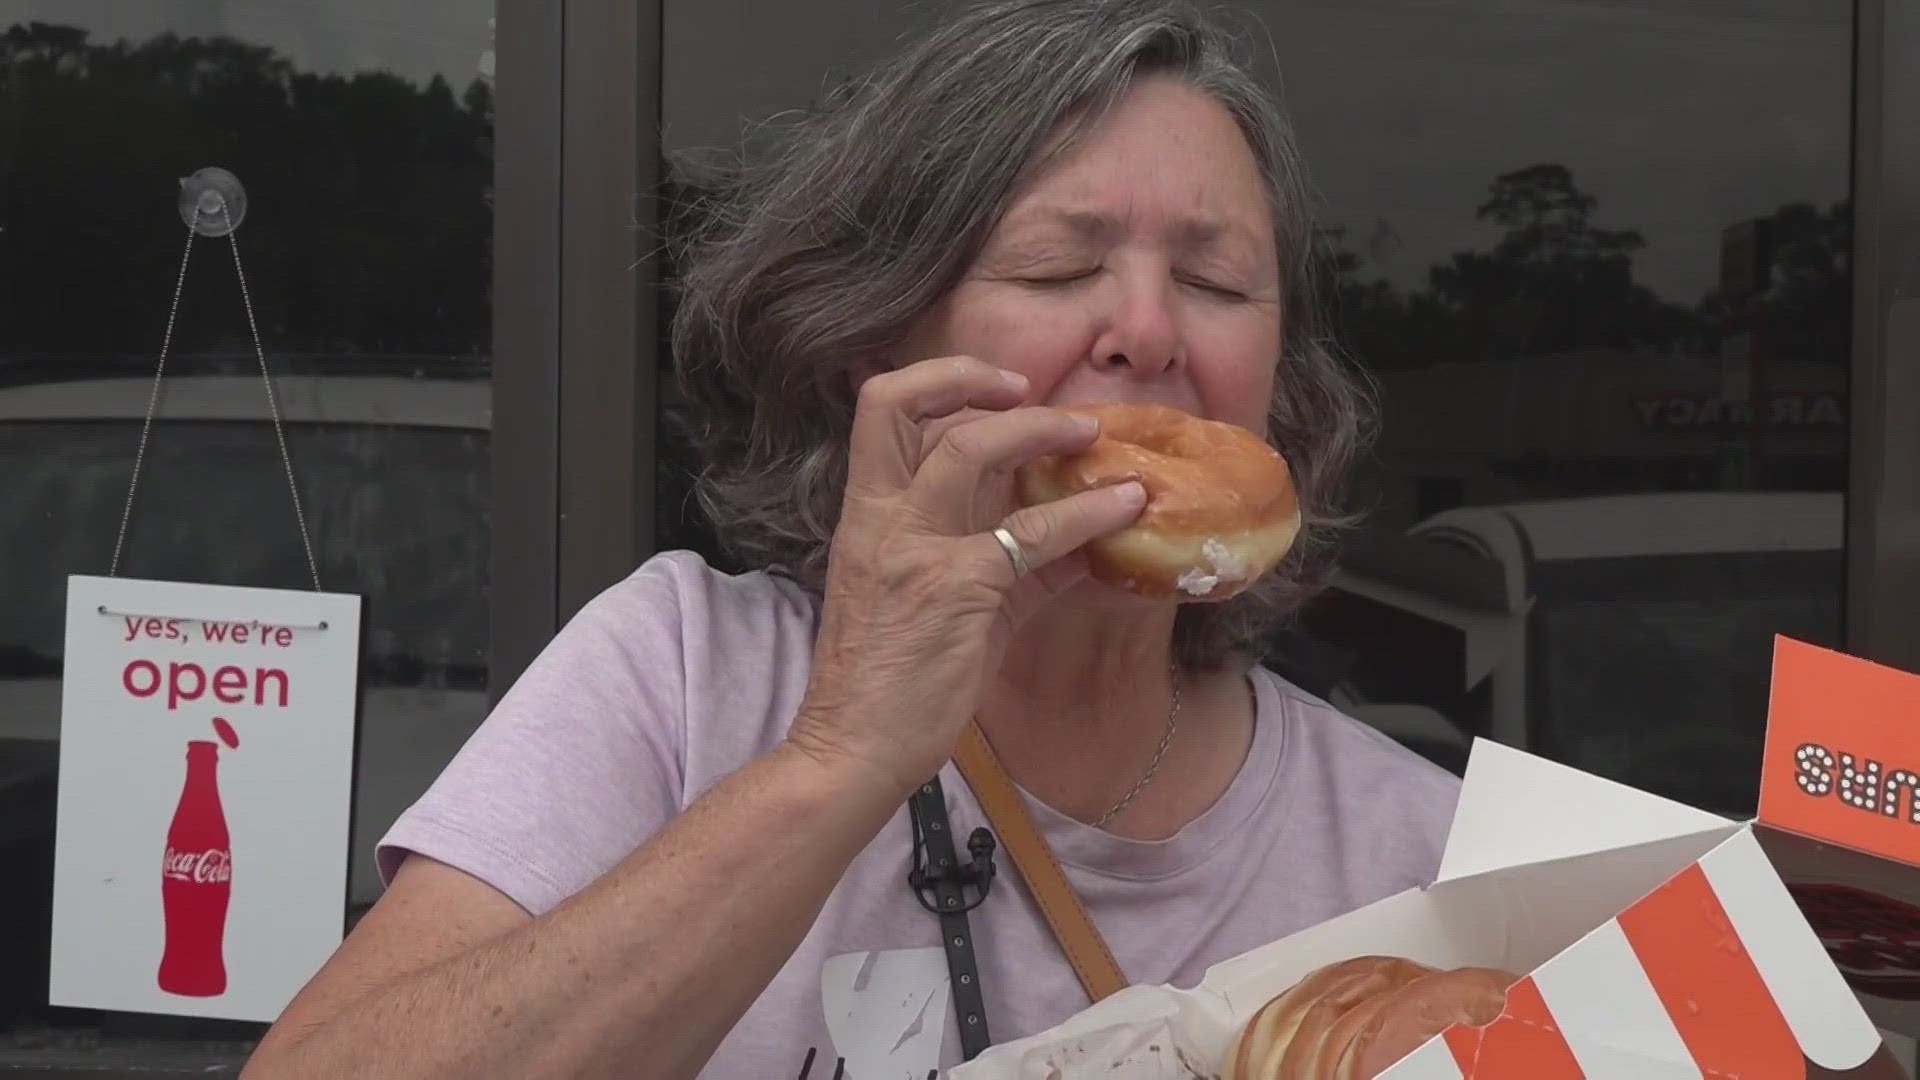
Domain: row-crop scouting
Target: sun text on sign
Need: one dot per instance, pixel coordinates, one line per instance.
(1864, 784)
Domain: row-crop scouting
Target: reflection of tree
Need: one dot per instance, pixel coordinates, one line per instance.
(369, 225)
(1557, 282)
(1379, 323)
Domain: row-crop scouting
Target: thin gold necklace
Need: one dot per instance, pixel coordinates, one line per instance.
(1173, 724)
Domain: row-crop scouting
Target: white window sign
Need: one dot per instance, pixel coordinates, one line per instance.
(206, 776)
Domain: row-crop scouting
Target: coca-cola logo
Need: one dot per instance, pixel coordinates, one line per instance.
(1874, 940)
(213, 866)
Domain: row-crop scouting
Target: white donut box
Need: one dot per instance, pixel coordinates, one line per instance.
(1660, 942)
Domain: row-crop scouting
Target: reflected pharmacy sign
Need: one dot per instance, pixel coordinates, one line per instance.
(1697, 412)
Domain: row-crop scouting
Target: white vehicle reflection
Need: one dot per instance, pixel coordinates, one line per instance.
(1629, 635)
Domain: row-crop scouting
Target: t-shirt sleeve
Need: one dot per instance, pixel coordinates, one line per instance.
(581, 761)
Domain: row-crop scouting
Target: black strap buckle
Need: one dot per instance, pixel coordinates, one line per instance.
(940, 883)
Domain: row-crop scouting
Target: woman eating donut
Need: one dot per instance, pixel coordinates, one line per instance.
(1012, 397)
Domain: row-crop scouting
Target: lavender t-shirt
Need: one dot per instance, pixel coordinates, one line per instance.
(680, 674)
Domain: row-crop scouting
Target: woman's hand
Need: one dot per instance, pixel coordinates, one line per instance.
(920, 596)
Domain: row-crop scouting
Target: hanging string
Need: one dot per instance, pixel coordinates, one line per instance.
(153, 400)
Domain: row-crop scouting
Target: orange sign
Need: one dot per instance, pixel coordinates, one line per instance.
(1842, 760)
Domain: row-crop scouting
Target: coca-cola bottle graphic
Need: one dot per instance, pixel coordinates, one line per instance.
(196, 881)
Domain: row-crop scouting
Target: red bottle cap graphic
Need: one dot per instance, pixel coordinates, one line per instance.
(226, 733)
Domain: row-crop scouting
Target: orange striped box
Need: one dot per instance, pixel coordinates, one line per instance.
(1659, 941)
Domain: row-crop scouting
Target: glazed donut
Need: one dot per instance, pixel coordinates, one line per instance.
(1221, 507)
(1398, 1023)
(1313, 1049)
(1353, 1019)
(1262, 1049)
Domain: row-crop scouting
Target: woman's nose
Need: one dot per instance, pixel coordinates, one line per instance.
(1141, 337)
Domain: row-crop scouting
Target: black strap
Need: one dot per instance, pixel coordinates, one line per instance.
(939, 882)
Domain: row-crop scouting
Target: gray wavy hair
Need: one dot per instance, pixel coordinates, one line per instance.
(813, 262)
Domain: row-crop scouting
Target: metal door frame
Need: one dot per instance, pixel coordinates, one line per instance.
(577, 166)
(1883, 505)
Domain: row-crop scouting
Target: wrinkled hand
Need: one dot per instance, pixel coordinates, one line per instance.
(920, 597)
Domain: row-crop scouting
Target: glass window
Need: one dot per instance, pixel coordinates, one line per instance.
(1648, 667)
(1597, 257)
(363, 138)
(1610, 320)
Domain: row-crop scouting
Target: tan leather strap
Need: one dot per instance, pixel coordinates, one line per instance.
(1007, 814)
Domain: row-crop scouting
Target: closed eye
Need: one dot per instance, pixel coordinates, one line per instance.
(1063, 278)
(1222, 291)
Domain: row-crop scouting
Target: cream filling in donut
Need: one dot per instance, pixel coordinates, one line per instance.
(1222, 565)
